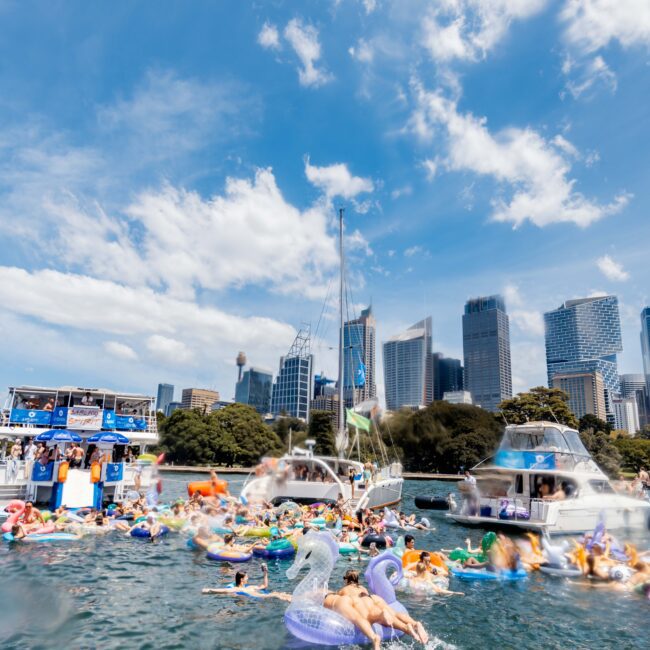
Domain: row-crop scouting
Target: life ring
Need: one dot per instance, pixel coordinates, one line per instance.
(258, 531)
(143, 533)
(412, 557)
(44, 537)
(346, 548)
(277, 549)
(217, 553)
(382, 541)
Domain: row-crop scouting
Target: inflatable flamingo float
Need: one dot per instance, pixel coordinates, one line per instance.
(307, 618)
(16, 509)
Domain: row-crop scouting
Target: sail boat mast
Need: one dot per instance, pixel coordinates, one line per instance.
(341, 422)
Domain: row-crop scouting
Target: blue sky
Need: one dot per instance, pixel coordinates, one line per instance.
(170, 172)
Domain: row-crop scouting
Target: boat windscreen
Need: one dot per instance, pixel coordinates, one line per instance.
(575, 444)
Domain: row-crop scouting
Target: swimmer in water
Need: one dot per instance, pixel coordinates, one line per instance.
(242, 588)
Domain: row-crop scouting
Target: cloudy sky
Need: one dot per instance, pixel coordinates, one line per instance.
(169, 175)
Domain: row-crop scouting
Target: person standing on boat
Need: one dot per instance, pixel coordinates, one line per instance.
(351, 479)
(14, 456)
(30, 456)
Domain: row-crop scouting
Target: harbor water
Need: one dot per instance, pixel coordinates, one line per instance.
(113, 591)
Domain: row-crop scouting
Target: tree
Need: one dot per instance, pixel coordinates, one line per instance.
(298, 428)
(186, 438)
(443, 437)
(635, 453)
(596, 437)
(538, 404)
(320, 430)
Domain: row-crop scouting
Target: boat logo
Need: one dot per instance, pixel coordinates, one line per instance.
(539, 458)
(31, 414)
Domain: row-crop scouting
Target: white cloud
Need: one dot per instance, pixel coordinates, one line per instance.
(611, 269)
(528, 365)
(415, 251)
(398, 192)
(521, 160)
(587, 75)
(527, 321)
(564, 145)
(356, 241)
(149, 319)
(304, 40)
(469, 29)
(269, 37)
(176, 239)
(336, 180)
(169, 350)
(120, 350)
(369, 5)
(593, 24)
(430, 168)
(363, 51)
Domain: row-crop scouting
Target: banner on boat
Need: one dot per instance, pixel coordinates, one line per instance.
(42, 472)
(524, 460)
(114, 472)
(84, 417)
(130, 423)
(27, 416)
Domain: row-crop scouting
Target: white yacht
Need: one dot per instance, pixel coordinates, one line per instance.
(75, 414)
(303, 477)
(534, 461)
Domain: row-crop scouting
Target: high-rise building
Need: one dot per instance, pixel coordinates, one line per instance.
(199, 398)
(634, 385)
(447, 375)
(359, 358)
(486, 351)
(408, 371)
(645, 346)
(172, 406)
(254, 389)
(457, 397)
(584, 335)
(292, 389)
(626, 414)
(165, 395)
(586, 392)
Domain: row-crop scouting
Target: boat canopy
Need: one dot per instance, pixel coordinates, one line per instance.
(544, 437)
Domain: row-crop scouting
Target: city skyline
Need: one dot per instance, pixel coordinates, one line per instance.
(163, 207)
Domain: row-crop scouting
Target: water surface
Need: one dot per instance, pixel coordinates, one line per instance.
(117, 592)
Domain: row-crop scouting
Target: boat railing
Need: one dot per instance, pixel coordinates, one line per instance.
(12, 472)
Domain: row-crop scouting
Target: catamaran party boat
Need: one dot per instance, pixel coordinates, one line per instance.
(111, 420)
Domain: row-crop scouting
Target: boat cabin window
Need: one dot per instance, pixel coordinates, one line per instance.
(34, 401)
(543, 439)
(601, 487)
(519, 484)
(544, 485)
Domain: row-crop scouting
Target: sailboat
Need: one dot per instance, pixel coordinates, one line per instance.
(305, 477)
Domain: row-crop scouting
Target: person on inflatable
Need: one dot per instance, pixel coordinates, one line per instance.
(424, 577)
(149, 524)
(205, 537)
(31, 519)
(355, 604)
(242, 588)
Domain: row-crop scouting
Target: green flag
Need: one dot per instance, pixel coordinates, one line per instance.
(357, 420)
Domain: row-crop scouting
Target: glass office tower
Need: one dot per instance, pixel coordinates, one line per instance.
(164, 397)
(254, 389)
(359, 358)
(486, 351)
(292, 390)
(408, 372)
(584, 335)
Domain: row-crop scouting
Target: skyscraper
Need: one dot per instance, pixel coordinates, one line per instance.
(254, 389)
(359, 358)
(486, 351)
(164, 397)
(447, 375)
(408, 368)
(634, 385)
(645, 346)
(586, 392)
(293, 385)
(626, 414)
(584, 335)
(199, 398)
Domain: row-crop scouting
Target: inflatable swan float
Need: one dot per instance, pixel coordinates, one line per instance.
(308, 620)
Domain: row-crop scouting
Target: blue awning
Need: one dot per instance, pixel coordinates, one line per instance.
(108, 438)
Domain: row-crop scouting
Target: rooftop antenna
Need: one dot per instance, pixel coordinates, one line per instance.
(553, 414)
(505, 419)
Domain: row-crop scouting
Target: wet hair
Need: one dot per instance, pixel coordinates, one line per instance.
(228, 537)
(15, 529)
(351, 577)
(423, 555)
(408, 538)
(239, 576)
(420, 567)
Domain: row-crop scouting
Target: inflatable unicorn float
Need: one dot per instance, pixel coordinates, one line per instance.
(306, 617)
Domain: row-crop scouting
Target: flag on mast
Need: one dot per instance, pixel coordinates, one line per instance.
(357, 420)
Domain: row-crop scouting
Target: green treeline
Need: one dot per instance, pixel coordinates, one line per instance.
(442, 437)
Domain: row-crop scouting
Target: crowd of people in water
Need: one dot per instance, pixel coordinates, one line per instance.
(225, 527)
